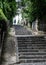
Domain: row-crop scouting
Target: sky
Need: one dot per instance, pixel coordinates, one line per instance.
(18, 0)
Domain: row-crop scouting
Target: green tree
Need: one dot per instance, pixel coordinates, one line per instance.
(34, 9)
(2, 16)
(9, 8)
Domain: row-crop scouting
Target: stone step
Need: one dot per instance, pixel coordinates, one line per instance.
(26, 41)
(28, 50)
(33, 63)
(34, 47)
(30, 40)
(31, 50)
(38, 42)
(32, 60)
(35, 57)
(32, 53)
(20, 30)
(31, 56)
(31, 36)
(31, 44)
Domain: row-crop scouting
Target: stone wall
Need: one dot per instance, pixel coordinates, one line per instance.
(42, 26)
(35, 25)
(39, 25)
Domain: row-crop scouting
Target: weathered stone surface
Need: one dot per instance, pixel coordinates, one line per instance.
(8, 53)
(31, 44)
(20, 30)
(42, 26)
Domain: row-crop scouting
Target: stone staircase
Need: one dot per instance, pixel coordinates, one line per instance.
(31, 49)
(20, 30)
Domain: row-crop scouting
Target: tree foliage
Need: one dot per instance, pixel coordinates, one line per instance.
(2, 16)
(34, 9)
(9, 8)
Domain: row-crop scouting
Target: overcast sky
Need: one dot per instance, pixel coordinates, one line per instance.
(18, 0)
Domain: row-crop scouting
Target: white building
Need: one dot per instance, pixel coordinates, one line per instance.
(18, 18)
